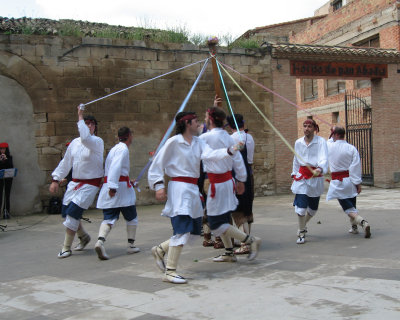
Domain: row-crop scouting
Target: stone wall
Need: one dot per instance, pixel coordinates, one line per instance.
(58, 73)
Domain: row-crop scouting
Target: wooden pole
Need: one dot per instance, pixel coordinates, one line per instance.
(212, 45)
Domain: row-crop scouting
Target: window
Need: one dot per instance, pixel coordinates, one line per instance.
(310, 89)
(372, 42)
(337, 4)
(334, 87)
(363, 84)
(335, 117)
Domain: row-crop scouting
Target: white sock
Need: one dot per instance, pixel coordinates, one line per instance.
(235, 233)
(302, 222)
(227, 241)
(104, 231)
(69, 238)
(131, 232)
(173, 257)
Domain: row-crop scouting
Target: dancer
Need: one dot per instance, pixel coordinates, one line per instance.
(308, 185)
(180, 159)
(221, 198)
(85, 156)
(117, 194)
(243, 215)
(345, 166)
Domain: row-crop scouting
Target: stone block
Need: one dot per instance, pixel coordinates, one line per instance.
(53, 41)
(28, 50)
(40, 117)
(98, 52)
(78, 94)
(247, 61)
(107, 82)
(88, 62)
(62, 140)
(118, 53)
(98, 41)
(45, 129)
(256, 69)
(51, 150)
(65, 129)
(149, 107)
(56, 51)
(68, 82)
(78, 71)
(48, 161)
(109, 106)
(166, 56)
(88, 82)
(149, 55)
(15, 48)
(184, 57)
(63, 116)
(42, 141)
(163, 84)
(50, 61)
(159, 65)
(132, 73)
(80, 52)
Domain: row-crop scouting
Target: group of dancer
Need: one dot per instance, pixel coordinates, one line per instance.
(313, 157)
(224, 161)
(180, 160)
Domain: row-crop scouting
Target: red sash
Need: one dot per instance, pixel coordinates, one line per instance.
(93, 182)
(305, 173)
(123, 179)
(219, 178)
(340, 175)
(186, 179)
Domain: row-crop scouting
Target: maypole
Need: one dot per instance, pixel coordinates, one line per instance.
(212, 45)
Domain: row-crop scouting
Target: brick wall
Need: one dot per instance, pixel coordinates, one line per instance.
(285, 117)
(336, 20)
(386, 132)
(58, 73)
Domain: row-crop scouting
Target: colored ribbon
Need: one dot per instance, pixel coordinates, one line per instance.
(172, 125)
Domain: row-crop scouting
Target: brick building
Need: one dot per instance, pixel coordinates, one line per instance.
(338, 25)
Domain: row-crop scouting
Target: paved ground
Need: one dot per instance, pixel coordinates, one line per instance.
(334, 275)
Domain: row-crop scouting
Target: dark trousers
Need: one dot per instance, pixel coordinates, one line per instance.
(5, 184)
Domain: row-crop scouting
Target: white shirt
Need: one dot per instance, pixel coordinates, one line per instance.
(315, 154)
(219, 138)
(248, 139)
(85, 157)
(178, 158)
(225, 198)
(117, 164)
(342, 157)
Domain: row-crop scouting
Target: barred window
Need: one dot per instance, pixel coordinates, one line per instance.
(334, 87)
(310, 89)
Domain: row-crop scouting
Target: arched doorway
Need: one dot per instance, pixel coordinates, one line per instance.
(18, 129)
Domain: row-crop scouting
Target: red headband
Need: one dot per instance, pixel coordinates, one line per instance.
(188, 117)
(4, 145)
(312, 122)
(211, 113)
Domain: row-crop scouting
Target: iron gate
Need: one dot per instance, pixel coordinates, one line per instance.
(359, 132)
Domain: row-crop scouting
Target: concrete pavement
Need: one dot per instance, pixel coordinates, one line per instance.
(334, 275)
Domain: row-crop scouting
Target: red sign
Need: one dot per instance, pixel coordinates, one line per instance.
(338, 69)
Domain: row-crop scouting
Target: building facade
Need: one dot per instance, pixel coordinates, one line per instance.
(346, 99)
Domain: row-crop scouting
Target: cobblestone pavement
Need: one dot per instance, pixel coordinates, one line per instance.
(334, 275)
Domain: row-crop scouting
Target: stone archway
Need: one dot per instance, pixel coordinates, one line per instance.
(21, 86)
